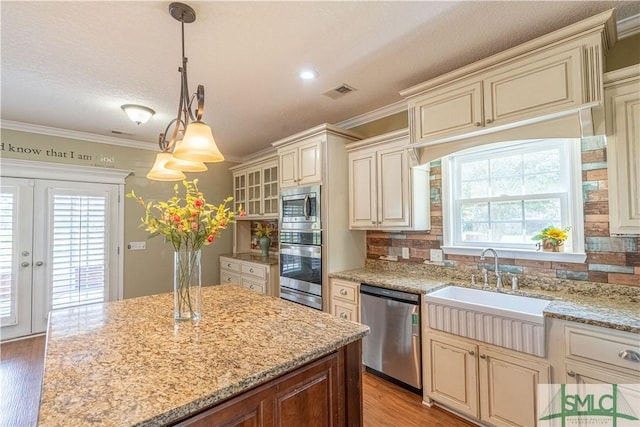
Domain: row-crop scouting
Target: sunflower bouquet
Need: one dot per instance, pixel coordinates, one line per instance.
(552, 237)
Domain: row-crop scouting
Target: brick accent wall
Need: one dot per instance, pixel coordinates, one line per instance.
(610, 259)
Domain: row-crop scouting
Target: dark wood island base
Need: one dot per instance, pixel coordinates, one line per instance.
(325, 392)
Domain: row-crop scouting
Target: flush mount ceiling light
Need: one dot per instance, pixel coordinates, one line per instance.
(187, 142)
(138, 113)
(308, 74)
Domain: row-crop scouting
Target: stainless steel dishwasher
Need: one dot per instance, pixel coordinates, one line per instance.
(393, 346)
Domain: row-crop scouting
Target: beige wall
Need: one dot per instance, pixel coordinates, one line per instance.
(147, 271)
(625, 52)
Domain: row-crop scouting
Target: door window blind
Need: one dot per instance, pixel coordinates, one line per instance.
(79, 239)
(7, 240)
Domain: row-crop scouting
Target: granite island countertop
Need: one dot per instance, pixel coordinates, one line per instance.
(256, 257)
(584, 304)
(126, 363)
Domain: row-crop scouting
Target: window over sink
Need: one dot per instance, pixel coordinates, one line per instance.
(501, 195)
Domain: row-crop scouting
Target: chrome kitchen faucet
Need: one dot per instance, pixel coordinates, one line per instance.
(495, 258)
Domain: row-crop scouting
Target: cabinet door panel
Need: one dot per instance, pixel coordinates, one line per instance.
(452, 374)
(310, 167)
(508, 388)
(288, 168)
(534, 87)
(393, 189)
(623, 155)
(452, 110)
(313, 397)
(362, 186)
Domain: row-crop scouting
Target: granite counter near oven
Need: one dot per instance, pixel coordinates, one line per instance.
(127, 363)
(255, 257)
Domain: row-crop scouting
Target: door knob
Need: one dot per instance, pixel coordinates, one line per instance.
(24, 264)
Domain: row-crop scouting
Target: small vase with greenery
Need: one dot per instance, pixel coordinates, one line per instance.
(262, 233)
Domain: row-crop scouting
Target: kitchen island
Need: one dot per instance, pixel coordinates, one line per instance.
(250, 357)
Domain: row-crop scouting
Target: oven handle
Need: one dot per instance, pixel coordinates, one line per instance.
(301, 250)
(307, 207)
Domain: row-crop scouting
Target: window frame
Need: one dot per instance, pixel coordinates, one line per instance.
(573, 211)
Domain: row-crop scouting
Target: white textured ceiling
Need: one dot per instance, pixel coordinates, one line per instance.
(70, 65)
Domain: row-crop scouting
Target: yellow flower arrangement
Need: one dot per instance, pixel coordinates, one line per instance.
(263, 231)
(554, 235)
(188, 223)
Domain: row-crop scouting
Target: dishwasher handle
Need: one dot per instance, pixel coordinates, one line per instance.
(376, 291)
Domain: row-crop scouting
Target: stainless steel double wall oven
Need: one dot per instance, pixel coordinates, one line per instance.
(301, 246)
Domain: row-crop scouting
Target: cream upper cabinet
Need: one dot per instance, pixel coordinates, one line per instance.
(531, 87)
(486, 382)
(451, 110)
(622, 112)
(255, 188)
(543, 79)
(301, 164)
(384, 191)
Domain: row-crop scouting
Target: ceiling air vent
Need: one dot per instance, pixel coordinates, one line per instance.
(120, 133)
(340, 91)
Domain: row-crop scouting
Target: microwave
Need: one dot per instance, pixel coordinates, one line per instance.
(300, 208)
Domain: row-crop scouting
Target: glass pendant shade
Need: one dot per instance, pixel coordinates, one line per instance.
(160, 173)
(198, 145)
(184, 165)
(138, 113)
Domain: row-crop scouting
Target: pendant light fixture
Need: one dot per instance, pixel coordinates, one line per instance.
(187, 142)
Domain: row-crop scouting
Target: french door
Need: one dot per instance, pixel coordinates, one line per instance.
(58, 249)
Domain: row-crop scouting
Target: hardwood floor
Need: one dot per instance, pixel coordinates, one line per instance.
(21, 364)
(387, 405)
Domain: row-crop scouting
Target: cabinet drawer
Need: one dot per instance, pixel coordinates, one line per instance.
(346, 311)
(229, 277)
(345, 291)
(254, 286)
(254, 270)
(230, 264)
(607, 348)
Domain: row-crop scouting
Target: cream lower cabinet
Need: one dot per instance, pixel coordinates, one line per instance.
(345, 299)
(622, 111)
(384, 191)
(257, 277)
(486, 382)
(597, 355)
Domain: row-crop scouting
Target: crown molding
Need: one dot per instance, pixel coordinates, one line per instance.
(628, 27)
(71, 134)
(370, 116)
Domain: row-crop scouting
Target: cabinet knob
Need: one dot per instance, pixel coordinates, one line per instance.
(25, 253)
(630, 355)
(250, 286)
(478, 124)
(373, 222)
(24, 264)
(343, 315)
(471, 352)
(229, 264)
(39, 263)
(343, 292)
(251, 270)
(489, 121)
(483, 356)
(571, 374)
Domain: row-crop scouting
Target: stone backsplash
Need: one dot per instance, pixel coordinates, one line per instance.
(610, 259)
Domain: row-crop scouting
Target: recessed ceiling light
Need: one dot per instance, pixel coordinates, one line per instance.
(308, 74)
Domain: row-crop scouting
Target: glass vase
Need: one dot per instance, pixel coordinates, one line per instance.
(187, 297)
